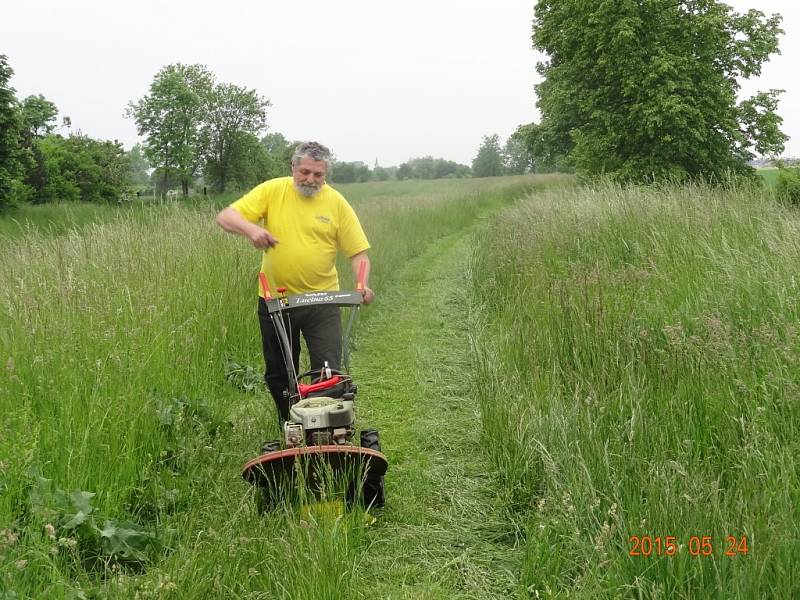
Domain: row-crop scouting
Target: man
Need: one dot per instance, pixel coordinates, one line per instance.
(304, 223)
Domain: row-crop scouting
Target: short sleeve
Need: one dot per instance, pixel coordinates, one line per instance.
(253, 205)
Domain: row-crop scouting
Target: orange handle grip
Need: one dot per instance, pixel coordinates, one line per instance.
(265, 286)
(362, 270)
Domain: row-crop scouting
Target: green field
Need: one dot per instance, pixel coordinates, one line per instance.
(554, 369)
(770, 176)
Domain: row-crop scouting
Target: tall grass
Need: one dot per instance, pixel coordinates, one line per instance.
(115, 340)
(638, 373)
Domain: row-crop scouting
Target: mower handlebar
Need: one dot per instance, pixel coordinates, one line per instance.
(337, 298)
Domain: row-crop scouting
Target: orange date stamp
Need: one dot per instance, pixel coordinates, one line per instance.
(696, 545)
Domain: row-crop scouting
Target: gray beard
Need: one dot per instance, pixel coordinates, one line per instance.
(307, 190)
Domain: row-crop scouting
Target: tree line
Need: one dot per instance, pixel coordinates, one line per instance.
(39, 164)
(638, 91)
(196, 132)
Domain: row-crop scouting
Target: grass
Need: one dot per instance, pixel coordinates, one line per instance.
(117, 336)
(608, 362)
(770, 176)
(638, 355)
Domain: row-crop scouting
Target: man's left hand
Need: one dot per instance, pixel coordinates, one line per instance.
(368, 295)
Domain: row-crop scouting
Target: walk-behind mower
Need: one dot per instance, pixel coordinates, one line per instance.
(322, 453)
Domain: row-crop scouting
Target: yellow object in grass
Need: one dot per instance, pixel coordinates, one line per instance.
(322, 511)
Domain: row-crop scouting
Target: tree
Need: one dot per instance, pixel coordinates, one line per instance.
(170, 118)
(139, 166)
(425, 167)
(37, 119)
(404, 171)
(644, 89)
(233, 114)
(489, 161)
(279, 151)
(81, 168)
(9, 136)
(350, 172)
(250, 163)
(517, 158)
(380, 173)
(38, 116)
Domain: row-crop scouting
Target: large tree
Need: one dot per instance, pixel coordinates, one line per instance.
(170, 118)
(489, 160)
(280, 151)
(233, 115)
(644, 89)
(517, 157)
(38, 116)
(9, 136)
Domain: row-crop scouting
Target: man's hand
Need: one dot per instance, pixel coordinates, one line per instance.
(361, 268)
(262, 239)
(368, 295)
(231, 221)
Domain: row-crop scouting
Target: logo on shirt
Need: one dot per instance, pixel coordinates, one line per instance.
(323, 219)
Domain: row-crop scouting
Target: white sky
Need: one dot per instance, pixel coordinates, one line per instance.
(371, 80)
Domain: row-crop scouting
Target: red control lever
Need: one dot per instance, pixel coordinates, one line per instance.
(265, 286)
(362, 270)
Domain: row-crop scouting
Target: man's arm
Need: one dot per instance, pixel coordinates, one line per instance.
(355, 264)
(233, 222)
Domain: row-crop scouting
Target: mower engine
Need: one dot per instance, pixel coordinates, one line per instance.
(325, 414)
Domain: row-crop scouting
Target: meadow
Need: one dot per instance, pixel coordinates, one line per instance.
(130, 391)
(638, 353)
(555, 370)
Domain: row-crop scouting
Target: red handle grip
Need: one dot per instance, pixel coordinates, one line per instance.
(362, 270)
(265, 286)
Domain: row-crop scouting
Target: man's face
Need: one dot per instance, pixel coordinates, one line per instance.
(309, 176)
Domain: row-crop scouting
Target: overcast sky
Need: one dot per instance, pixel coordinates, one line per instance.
(373, 80)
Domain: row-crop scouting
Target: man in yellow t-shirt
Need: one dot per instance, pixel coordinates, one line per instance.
(303, 222)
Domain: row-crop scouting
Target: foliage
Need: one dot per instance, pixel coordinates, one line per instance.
(644, 90)
(72, 518)
(517, 158)
(232, 114)
(9, 137)
(279, 155)
(80, 168)
(489, 160)
(170, 118)
(139, 166)
(250, 164)
(193, 124)
(350, 172)
(381, 173)
(38, 116)
(244, 377)
(788, 184)
(428, 167)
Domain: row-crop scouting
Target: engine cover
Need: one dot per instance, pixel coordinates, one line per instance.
(322, 413)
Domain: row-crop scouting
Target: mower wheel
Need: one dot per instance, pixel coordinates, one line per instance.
(373, 492)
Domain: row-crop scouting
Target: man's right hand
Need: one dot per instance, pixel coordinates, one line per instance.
(231, 221)
(262, 239)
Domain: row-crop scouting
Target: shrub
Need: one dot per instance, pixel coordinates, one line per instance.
(788, 186)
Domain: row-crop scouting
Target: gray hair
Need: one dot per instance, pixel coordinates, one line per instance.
(314, 151)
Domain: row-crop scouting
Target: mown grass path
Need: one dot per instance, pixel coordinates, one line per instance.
(442, 533)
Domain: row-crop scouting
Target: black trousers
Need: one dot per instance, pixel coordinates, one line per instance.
(321, 327)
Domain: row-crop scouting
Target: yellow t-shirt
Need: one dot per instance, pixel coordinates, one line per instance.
(308, 230)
